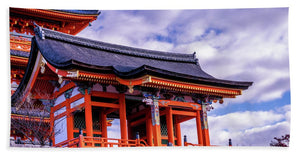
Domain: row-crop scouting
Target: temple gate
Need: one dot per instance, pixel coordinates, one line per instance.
(91, 82)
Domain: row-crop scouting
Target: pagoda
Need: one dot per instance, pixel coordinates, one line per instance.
(21, 22)
(88, 82)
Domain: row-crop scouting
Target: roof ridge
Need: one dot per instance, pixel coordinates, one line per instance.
(119, 49)
(79, 12)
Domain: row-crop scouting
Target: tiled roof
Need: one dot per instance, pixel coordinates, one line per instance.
(19, 53)
(82, 12)
(65, 51)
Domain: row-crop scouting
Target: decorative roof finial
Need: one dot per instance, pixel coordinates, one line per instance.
(38, 30)
(195, 59)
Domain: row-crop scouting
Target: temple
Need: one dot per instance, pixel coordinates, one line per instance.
(88, 82)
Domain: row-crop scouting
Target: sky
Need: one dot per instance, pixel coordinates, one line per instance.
(231, 44)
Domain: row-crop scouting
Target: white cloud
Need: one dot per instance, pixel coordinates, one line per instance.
(232, 44)
(256, 128)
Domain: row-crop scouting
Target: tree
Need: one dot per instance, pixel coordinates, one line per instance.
(281, 142)
(31, 120)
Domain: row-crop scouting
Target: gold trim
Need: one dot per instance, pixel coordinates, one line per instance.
(194, 83)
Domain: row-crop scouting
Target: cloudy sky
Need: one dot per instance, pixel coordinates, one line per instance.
(232, 44)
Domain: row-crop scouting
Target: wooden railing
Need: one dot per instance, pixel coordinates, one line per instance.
(83, 141)
(69, 143)
(191, 144)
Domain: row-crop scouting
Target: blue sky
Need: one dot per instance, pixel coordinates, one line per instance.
(232, 44)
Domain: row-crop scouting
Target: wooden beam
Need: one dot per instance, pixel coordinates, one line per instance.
(64, 88)
(166, 103)
(139, 113)
(184, 119)
(184, 113)
(103, 104)
(58, 106)
(138, 122)
(76, 97)
(110, 110)
(105, 94)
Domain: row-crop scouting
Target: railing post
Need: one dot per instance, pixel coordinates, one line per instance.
(137, 137)
(81, 143)
(185, 140)
(119, 143)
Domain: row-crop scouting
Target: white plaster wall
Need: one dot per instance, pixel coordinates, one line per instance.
(75, 91)
(77, 102)
(59, 111)
(60, 130)
(61, 98)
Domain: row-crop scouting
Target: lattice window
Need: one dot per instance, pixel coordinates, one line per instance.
(97, 125)
(79, 120)
(163, 126)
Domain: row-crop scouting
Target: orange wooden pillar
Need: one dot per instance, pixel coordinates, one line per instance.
(178, 133)
(52, 126)
(205, 132)
(69, 120)
(122, 113)
(156, 123)
(170, 128)
(149, 131)
(88, 114)
(129, 130)
(104, 126)
(199, 127)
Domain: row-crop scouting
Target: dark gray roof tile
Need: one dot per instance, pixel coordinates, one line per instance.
(65, 51)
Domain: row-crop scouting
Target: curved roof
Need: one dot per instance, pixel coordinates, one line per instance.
(68, 52)
(81, 12)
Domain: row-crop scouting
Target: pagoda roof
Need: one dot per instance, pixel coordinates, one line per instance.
(67, 21)
(80, 12)
(70, 52)
(19, 53)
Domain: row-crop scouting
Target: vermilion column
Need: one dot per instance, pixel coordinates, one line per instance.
(205, 132)
(52, 126)
(69, 120)
(169, 119)
(149, 131)
(88, 115)
(178, 133)
(199, 127)
(104, 126)
(122, 113)
(129, 130)
(156, 123)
